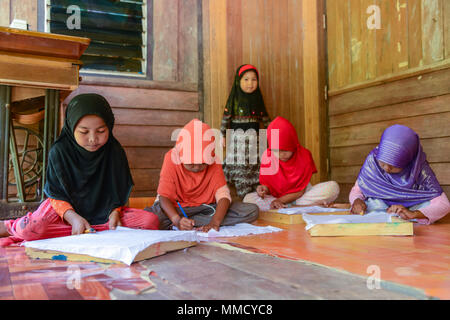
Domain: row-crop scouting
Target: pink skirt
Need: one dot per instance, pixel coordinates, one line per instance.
(46, 223)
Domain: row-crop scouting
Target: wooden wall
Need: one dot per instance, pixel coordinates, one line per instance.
(147, 110)
(284, 39)
(414, 34)
(19, 9)
(397, 74)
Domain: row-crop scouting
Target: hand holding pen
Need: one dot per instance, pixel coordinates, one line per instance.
(185, 223)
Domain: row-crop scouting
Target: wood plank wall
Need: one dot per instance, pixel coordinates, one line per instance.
(147, 110)
(19, 9)
(397, 74)
(284, 40)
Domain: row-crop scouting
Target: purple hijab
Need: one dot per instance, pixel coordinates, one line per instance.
(416, 183)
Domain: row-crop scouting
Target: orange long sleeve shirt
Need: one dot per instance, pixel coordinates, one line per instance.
(61, 206)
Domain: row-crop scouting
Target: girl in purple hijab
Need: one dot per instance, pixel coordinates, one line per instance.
(397, 178)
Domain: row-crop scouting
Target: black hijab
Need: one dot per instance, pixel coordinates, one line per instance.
(242, 104)
(94, 183)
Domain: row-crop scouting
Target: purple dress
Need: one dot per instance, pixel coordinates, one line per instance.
(416, 183)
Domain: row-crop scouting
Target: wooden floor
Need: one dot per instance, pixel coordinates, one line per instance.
(283, 265)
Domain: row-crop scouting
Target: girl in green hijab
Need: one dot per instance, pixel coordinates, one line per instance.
(244, 113)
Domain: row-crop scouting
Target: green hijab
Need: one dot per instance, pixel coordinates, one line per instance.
(244, 104)
(94, 183)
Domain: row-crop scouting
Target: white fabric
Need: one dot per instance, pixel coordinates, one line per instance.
(240, 229)
(312, 209)
(122, 244)
(373, 217)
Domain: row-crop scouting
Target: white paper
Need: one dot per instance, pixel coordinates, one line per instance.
(240, 229)
(122, 244)
(312, 209)
(372, 217)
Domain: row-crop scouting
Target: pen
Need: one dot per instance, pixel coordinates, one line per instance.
(182, 211)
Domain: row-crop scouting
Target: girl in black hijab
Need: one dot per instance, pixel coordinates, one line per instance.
(244, 110)
(88, 180)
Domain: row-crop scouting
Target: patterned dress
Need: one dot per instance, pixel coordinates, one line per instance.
(245, 111)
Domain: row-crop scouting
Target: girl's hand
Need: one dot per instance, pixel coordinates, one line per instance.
(396, 208)
(406, 214)
(185, 224)
(114, 220)
(208, 227)
(262, 191)
(78, 223)
(277, 204)
(358, 207)
(328, 205)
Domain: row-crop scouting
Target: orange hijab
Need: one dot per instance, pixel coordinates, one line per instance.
(288, 176)
(195, 144)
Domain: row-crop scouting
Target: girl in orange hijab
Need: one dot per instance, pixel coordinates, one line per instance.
(286, 171)
(192, 190)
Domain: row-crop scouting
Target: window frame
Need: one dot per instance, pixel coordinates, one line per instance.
(94, 72)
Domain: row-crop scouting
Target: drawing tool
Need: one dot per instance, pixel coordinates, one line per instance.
(182, 210)
(184, 213)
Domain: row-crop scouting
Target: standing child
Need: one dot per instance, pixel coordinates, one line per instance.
(88, 180)
(192, 183)
(244, 110)
(286, 172)
(397, 178)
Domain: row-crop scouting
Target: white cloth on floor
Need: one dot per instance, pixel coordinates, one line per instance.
(372, 217)
(240, 229)
(122, 244)
(312, 209)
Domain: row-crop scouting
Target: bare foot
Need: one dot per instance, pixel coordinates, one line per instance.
(3, 231)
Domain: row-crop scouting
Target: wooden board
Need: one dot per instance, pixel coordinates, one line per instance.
(42, 43)
(141, 202)
(145, 136)
(349, 174)
(426, 126)
(154, 250)
(146, 157)
(423, 106)
(415, 87)
(142, 98)
(398, 227)
(274, 216)
(40, 72)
